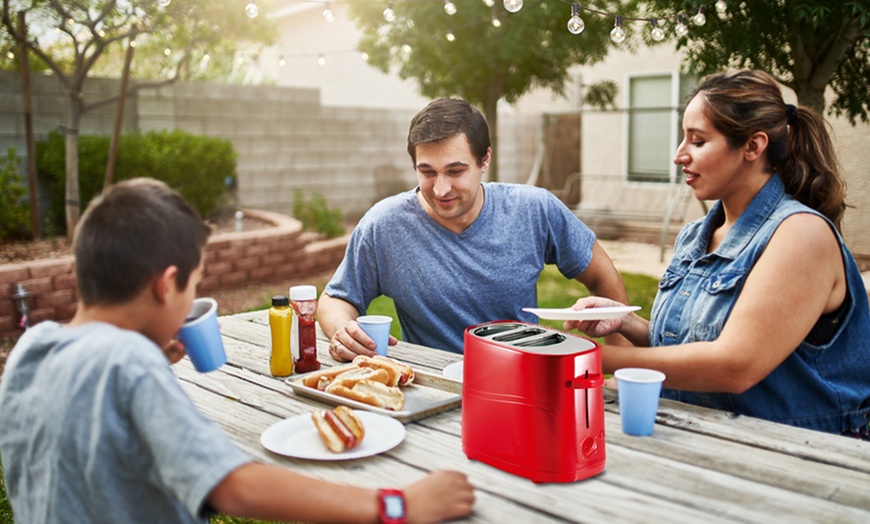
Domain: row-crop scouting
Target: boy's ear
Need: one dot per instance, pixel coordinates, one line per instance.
(164, 284)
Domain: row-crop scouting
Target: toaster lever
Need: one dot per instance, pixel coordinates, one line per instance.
(594, 380)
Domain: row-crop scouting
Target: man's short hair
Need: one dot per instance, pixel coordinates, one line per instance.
(445, 118)
(132, 233)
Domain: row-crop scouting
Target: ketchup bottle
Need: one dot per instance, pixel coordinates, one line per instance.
(303, 343)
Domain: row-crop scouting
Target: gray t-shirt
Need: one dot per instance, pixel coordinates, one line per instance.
(96, 428)
(443, 282)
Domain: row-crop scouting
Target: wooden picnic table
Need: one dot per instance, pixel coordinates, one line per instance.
(700, 465)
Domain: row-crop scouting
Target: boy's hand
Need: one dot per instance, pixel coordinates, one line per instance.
(443, 495)
(174, 351)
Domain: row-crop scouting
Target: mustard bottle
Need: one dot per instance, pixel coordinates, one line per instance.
(280, 320)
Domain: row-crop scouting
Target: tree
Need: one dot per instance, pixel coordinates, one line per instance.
(467, 55)
(809, 45)
(70, 38)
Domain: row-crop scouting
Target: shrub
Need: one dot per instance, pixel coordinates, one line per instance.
(196, 166)
(14, 199)
(316, 215)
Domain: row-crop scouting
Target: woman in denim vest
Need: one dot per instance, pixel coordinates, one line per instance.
(762, 311)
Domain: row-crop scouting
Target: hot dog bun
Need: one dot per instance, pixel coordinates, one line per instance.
(371, 393)
(399, 374)
(340, 429)
(312, 379)
(351, 377)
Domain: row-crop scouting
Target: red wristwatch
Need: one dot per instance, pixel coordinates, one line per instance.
(391, 506)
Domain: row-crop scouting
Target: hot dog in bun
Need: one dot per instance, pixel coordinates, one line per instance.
(340, 429)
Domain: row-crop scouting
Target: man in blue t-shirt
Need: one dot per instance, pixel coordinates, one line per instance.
(455, 251)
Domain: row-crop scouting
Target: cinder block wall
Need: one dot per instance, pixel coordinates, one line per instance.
(286, 139)
(234, 259)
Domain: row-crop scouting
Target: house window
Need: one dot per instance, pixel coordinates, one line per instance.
(653, 127)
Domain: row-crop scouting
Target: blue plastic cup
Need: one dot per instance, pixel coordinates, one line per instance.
(201, 336)
(639, 391)
(377, 327)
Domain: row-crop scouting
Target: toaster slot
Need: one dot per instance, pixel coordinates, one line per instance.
(495, 329)
(510, 337)
(550, 340)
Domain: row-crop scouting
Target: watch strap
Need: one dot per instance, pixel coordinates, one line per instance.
(392, 513)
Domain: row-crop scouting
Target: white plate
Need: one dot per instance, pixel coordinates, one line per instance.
(594, 313)
(297, 437)
(453, 371)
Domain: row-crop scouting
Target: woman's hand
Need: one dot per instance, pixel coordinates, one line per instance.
(596, 328)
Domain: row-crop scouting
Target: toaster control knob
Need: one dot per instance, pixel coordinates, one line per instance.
(589, 446)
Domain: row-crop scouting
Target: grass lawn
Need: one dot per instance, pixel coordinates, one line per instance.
(554, 291)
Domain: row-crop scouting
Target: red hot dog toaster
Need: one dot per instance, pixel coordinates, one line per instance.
(532, 401)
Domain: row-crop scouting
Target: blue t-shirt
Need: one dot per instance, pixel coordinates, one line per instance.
(442, 282)
(96, 428)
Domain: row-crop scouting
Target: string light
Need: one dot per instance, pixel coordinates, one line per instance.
(657, 33)
(328, 14)
(167, 51)
(721, 7)
(281, 61)
(252, 10)
(164, 3)
(389, 14)
(495, 21)
(489, 3)
(681, 28)
(513, 5)
(449, 7)
(406, 49)
(450, 36)
(321, 59)
(575, 23)
(700, 19)
(617, 34)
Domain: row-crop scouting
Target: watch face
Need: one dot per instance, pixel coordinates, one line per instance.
(394, 506)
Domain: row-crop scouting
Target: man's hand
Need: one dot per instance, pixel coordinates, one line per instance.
(174, 351)
(350, 340)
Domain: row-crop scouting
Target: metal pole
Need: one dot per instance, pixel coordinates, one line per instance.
(35, 228)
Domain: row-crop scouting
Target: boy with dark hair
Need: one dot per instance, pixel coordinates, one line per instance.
(96, 427)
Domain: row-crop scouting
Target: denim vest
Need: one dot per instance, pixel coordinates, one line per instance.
(823, 387)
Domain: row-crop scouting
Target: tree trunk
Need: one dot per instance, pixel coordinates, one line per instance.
(71, 171)
(811, 97)
(29, 140)
(490, 111)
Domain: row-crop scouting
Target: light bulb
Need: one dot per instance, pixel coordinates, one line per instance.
(721, 7)
(700, 19)
(101, 33)
(164, 3)
(449, 7)
(328, 15)
(281, 61)
(364, 56)
(657, 33)
(206, 58)
(321, 60)
(406, 49)
(513, 5)
(495, 21)
(681, 28)
(489, 3)
(252, 10)
(389, 14)
(617, 34)
(167, 51)
(10, 55)
(450, 36)
(575, 23)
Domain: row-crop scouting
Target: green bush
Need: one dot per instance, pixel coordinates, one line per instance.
(316, 215)
(14, 199)
(197, 166)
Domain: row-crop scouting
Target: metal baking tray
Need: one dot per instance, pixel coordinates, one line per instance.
(427, 396)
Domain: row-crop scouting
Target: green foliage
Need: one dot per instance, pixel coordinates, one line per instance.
(809, 45)
(14, 199)
(316, 215)
(531, 48)
(194, 165)
(5, 507)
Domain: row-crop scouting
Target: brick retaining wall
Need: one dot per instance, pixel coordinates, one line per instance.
(231, 260)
